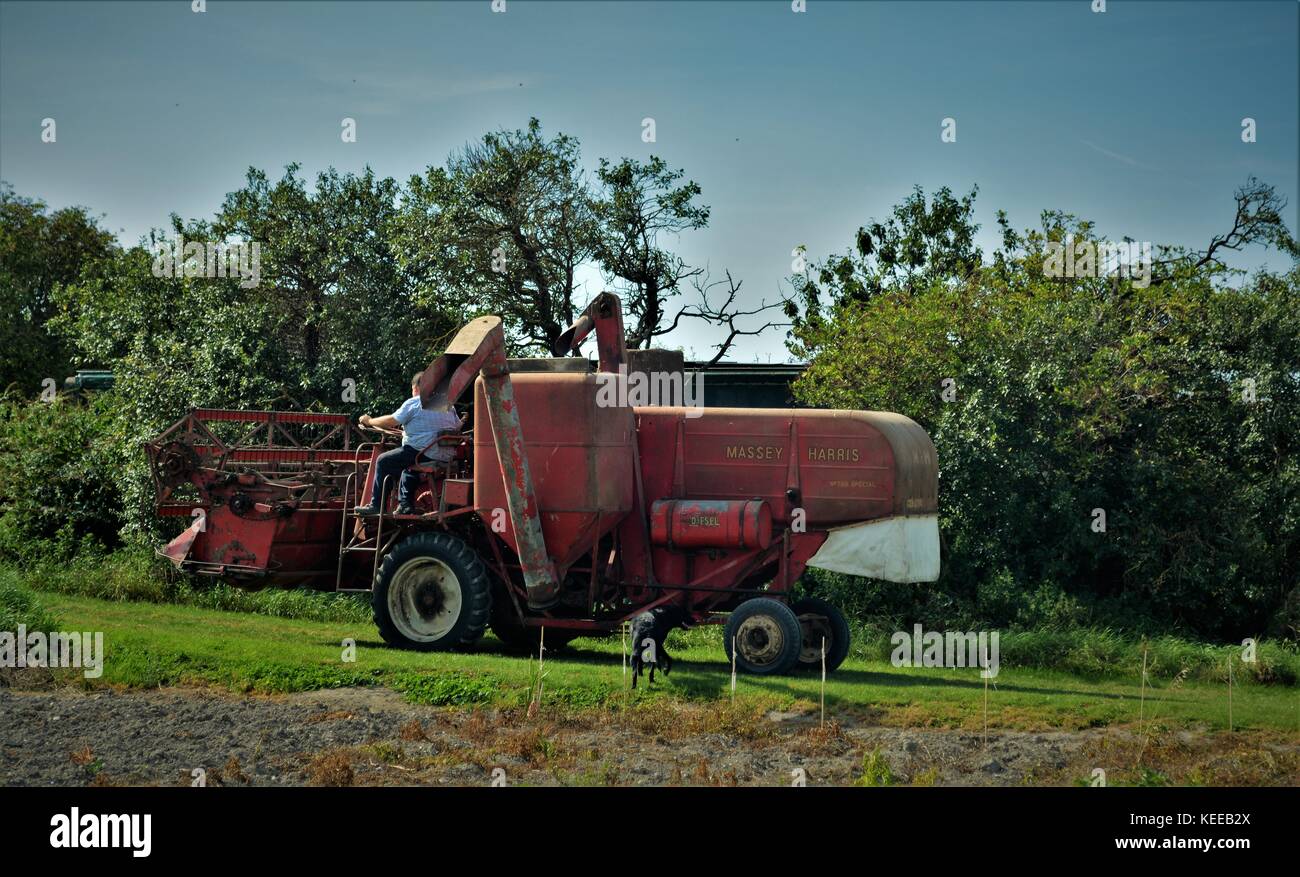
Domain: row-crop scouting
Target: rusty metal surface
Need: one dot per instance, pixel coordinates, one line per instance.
(269, 485)
(458, 492)
(575, 364)
(448, 376)
(580, 456)
(845, 466)
(604, 316)
(521, 499)
(573, 336)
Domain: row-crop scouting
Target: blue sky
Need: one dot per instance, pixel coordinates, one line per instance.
(799, 127)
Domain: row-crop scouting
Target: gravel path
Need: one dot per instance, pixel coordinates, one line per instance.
(372, 737)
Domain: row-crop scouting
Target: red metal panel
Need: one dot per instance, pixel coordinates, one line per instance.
(580, 457)
(516, 478)
(458, 492)
(605, 316)
(230, 540)
(289, 455)
(846, 461)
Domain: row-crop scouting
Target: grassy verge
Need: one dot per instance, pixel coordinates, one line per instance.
(138, 576)
(150, 645)
(1096, 654)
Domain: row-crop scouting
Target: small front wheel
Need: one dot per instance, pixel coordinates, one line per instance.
(766, 635)
(821, 623)
(431, 593)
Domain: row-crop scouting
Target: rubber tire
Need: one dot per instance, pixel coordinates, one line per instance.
(523, 640)
(791, 632)
(838, 647)
(471, 575)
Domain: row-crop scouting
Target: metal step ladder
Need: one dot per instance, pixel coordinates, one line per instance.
(356, 542)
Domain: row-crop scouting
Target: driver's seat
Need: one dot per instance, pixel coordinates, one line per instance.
(439, 468)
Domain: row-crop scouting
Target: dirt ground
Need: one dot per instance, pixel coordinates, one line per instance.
(70, 737)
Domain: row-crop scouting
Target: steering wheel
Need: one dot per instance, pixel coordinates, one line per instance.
(379, 429)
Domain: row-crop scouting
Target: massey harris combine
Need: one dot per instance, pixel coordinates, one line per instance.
(560, 510)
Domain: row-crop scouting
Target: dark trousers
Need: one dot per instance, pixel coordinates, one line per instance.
(391, 466)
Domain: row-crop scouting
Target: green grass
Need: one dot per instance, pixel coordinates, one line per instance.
(151, 645)
(1095, 654)
(19, 606)
(134, 575)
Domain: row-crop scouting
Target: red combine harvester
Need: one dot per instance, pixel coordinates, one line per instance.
(563, 509)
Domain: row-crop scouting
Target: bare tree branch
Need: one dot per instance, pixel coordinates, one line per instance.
(1258, 219)
(724, 313)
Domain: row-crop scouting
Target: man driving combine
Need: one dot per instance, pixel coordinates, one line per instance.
(420, 426)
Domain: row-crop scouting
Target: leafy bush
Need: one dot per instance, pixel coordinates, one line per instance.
(875, 771)
(57, 492)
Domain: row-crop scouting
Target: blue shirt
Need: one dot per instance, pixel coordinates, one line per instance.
(421, 426)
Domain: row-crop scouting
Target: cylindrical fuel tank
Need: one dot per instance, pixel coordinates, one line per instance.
(711, 523)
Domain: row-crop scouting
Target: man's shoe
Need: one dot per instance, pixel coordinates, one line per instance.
(406, 510)
(367, 511)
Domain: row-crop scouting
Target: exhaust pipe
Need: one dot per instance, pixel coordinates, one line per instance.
(571, 337)
(604, 316)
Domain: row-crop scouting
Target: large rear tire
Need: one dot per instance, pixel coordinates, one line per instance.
(767, 637)
(431, 593)
(819, 619)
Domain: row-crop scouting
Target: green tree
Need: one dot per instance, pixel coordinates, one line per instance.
(502, 229)
(1172, 408)
(331, 311)
(339, 303)
(56, 495)
(919, 244)
(639, 204)
(40, 251)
